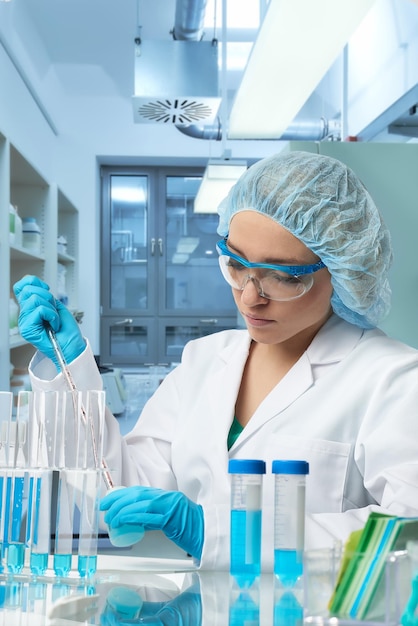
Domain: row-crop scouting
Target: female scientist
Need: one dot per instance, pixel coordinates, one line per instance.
(307, 256)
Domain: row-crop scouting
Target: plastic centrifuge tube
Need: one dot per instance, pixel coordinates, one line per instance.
(289, 519)
(246, 500)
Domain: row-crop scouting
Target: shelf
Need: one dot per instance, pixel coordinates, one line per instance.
(66, 258)
(22, 185)
(24, 254)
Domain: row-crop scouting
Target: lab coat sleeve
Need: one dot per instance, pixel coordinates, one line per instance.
(150, 441)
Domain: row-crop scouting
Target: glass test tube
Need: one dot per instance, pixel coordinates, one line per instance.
(67, 453)
(42, 413)
(289, 519)
(245, 538)
(89, 522)
(14, 487)
(92, 449)
(79, 486)
(6, 407)
(40, 519)
(64, 527)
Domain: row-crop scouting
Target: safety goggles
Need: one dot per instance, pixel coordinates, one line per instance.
(275, 282)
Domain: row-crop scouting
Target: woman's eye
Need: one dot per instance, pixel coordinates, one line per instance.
(283, 278)
(235, 265)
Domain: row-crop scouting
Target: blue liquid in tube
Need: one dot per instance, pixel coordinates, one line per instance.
(38, 563)
(288, 611)
(62, 564)
(244, 611)
(245, 546)
(87, 565)
(15, 557)
(13, 509)
(288, 566)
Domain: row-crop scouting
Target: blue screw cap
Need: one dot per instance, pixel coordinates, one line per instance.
(246, 466)
(290, 467)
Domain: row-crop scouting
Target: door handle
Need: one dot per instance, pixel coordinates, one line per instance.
(160, 245)
(152, 246)
(211, 320)
(124, 322)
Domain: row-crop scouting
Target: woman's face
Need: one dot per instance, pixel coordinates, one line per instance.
(259, 239)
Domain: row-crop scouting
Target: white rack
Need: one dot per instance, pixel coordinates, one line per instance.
(21, 184)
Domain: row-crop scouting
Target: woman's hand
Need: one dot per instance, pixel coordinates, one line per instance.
(155, 509)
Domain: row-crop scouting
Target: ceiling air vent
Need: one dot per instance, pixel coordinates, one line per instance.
(176, 82)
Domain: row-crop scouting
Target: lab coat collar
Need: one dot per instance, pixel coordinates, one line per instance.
(336, 339)
(332, 343)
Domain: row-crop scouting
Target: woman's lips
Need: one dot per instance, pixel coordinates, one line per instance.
(257, 321)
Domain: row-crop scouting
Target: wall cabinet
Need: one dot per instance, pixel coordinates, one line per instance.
(161, 282)
(22, 186)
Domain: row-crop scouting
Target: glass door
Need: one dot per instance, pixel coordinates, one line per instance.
(129, 287)
(193, 282)
(160, 279)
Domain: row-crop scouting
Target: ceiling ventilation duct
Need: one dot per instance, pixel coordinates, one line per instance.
(176, 82)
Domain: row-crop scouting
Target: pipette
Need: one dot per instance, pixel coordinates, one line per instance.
(71, 384)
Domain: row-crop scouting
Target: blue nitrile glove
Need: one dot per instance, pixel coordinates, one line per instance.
(155, 509)
(184, 610)
(38, 307)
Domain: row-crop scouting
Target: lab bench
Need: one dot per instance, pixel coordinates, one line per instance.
(127, 589)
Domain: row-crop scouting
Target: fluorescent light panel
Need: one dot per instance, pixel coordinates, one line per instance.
(297, 43)
(216, 184)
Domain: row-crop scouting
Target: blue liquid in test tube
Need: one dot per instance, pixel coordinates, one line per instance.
(245, 546)
(38, 563)
(245, 609)
(87, 565)
(245, 535)
(62, 564)
(15, 557)
(288, 566)
(288, 611)
(13, 517)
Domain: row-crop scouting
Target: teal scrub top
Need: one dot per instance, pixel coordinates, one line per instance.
(234, 432)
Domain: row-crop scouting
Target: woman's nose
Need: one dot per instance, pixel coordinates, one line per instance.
(252, 292)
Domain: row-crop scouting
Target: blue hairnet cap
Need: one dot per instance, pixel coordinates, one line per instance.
(324, 204)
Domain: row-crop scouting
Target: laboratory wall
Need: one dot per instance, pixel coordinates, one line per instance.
(67, 138)
(389, 171)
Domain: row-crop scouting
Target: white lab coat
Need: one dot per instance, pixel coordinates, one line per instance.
(349, 407)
